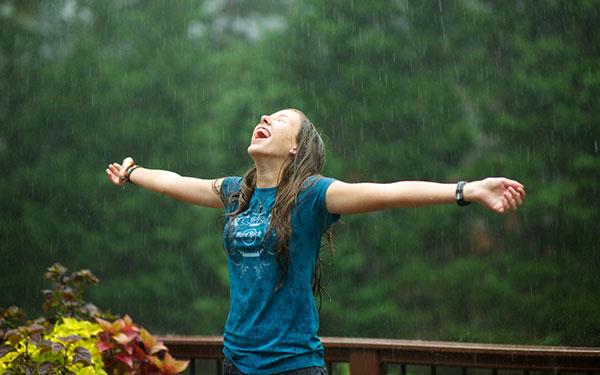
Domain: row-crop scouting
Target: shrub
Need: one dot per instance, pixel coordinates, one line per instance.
(67, 347)
(78, 338)
(128, 348)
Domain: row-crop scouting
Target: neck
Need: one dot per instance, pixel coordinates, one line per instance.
(268, 172)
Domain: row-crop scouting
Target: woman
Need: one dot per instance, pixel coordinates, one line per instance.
(276, 216)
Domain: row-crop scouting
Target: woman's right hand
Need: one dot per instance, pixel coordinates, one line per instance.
(187, 189)
(117, 173)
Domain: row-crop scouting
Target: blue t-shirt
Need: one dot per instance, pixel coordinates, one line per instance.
(269, 330)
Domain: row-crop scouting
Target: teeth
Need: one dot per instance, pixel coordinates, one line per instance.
(262, 133)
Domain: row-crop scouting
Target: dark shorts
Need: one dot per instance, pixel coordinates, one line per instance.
(230, 369)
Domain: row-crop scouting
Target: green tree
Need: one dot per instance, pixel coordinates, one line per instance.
(402, 90)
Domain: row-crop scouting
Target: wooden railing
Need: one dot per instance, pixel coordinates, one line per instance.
(372, 356)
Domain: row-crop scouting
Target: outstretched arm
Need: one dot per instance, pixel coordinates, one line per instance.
(188, 189)
(497, 194)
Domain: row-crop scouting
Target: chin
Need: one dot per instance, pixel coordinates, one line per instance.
(251, 149)
(255, 151)
(258, 151)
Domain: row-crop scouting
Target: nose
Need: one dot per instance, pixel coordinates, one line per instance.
(265, 119)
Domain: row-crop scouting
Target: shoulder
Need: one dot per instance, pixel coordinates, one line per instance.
(317, 182)
(229, 186)
(313, 196)
(316, 186)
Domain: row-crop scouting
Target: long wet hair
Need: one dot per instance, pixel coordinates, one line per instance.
(308, 160)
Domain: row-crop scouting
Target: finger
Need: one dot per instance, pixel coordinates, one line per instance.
(516, 196)
(522, 193)
(111, 171)
(115, 168)
(507, 184)
(518, 199)
(514, 184)
(122, 174)
(505, 202)
(127, 162)
(511, 200)
(117, 171)
(112, 177)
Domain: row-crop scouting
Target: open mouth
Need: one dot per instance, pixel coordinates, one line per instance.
(262, 133)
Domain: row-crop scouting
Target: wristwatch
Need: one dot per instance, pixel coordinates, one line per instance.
(460, 198)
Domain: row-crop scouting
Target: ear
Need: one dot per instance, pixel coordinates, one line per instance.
(293, 150)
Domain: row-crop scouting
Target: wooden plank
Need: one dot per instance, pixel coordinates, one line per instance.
(364, 362)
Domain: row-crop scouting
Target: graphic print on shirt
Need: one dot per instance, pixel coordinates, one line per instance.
(249, 252)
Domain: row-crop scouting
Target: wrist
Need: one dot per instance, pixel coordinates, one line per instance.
(129, 171)
(470, 191)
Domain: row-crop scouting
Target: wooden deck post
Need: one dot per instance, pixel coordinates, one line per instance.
(365, 362)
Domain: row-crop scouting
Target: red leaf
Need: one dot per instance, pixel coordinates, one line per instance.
(104, 346)
(148, 340)
(128, 349)
(127, 320)
(158, 348)
(155, 361)
(169, 365)
(139, 352)
(106, 326)
(123, 339)
(126, 359)
(118, 325)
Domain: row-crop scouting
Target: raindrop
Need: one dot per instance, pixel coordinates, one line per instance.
(442, 20)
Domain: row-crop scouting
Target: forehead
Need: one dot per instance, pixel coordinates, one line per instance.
(292, 116)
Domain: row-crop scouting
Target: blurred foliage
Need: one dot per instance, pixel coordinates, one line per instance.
(65, 299)
(68, 347)
(129, 349)
(73, 338)
(405, 89)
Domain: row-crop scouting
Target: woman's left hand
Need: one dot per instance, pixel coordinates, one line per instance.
(117, 173)
(498, 194)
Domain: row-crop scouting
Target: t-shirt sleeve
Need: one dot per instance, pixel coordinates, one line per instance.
(319, 194)
(229, 186)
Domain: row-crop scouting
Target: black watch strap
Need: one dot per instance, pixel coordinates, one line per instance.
(460, 198)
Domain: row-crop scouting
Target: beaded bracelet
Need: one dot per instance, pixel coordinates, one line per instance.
(129, 171)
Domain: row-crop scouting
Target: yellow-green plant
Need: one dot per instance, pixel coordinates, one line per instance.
(68, 347)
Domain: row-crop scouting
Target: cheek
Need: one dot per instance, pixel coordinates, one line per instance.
(283, 142)
(286, 139)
